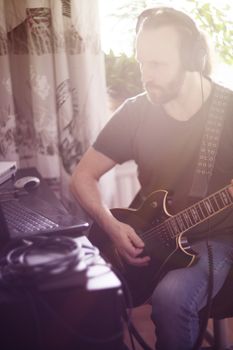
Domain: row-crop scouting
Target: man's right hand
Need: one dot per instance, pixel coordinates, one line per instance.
(128, 244)
(84, 185)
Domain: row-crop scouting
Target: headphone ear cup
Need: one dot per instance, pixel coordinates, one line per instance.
(194, 56)
(200, 58)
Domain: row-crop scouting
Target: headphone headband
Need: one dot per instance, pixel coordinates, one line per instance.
(167, 14)
(194, 55)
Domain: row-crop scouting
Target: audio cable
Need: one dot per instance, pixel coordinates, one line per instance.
(34, 260)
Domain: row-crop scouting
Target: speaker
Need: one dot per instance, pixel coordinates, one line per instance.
(62, 319)
(193, 44)
(65, 299)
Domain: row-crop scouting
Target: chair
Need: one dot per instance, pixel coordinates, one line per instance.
(222, 309)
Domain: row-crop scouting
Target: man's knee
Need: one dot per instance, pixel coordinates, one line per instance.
(171, 299)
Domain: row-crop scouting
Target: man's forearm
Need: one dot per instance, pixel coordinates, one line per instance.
(86, 190)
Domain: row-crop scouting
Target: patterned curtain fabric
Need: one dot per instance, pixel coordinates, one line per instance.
(52, 87)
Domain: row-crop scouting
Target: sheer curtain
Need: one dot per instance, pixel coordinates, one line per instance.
(52, 85)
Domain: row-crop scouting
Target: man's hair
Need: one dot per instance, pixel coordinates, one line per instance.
(194, 47)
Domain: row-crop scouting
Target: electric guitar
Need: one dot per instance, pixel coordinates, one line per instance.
(163, 235)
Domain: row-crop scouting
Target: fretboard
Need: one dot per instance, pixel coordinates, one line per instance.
(199, 212)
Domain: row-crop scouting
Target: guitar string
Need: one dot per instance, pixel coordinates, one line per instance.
(158, 230)
(152, 232)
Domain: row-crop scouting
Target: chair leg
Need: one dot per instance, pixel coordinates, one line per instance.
(221, 336)
(209, 338)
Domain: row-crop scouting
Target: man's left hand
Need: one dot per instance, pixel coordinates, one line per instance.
(231, 188)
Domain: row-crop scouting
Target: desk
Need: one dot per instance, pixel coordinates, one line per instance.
(81, 316)
(43, 201)
(84, 317)
(44, 192)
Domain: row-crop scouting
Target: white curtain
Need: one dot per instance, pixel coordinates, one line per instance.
(52, 85)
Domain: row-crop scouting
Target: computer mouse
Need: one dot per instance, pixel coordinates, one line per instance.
(27, 183)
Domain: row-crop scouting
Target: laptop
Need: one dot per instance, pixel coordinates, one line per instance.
(32, 215)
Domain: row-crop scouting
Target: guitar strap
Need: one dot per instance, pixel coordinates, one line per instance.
(210, 141)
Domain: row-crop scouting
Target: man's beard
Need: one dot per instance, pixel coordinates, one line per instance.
(161, 95)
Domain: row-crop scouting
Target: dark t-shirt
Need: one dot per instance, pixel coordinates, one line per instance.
(165, 149)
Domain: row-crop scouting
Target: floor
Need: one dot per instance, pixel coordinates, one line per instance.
(141, 319)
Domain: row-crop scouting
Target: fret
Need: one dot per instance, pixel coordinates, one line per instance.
(190, 217)
(223, 198)
(213, 204)
(208, 207)
(219, 200)
(226, 198)
(194, 215)
(171, 229)
(231, 198)
(168, 228)
(187, 218)
(203, 209)
(216, 202)
(180, 222)
(174, 225)
(228, 195)
(200, 212)
(197, 213)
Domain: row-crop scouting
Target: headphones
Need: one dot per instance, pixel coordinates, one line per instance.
(194, 49)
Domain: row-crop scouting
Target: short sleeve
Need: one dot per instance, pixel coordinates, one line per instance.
(116, 140)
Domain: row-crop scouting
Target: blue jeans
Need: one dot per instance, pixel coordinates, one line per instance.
(182, 293)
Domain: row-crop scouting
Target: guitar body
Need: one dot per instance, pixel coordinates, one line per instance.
(166, 253)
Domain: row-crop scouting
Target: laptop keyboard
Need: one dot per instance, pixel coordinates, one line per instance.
(22, 219)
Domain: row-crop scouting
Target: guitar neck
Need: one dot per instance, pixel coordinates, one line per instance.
(199, 212)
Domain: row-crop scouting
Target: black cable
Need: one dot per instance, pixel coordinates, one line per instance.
(208, 306)
(128, 318)
(18, 273)
(20, 276)
(16, 268)
(210, 283)
(138, 337)
(38, 344)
